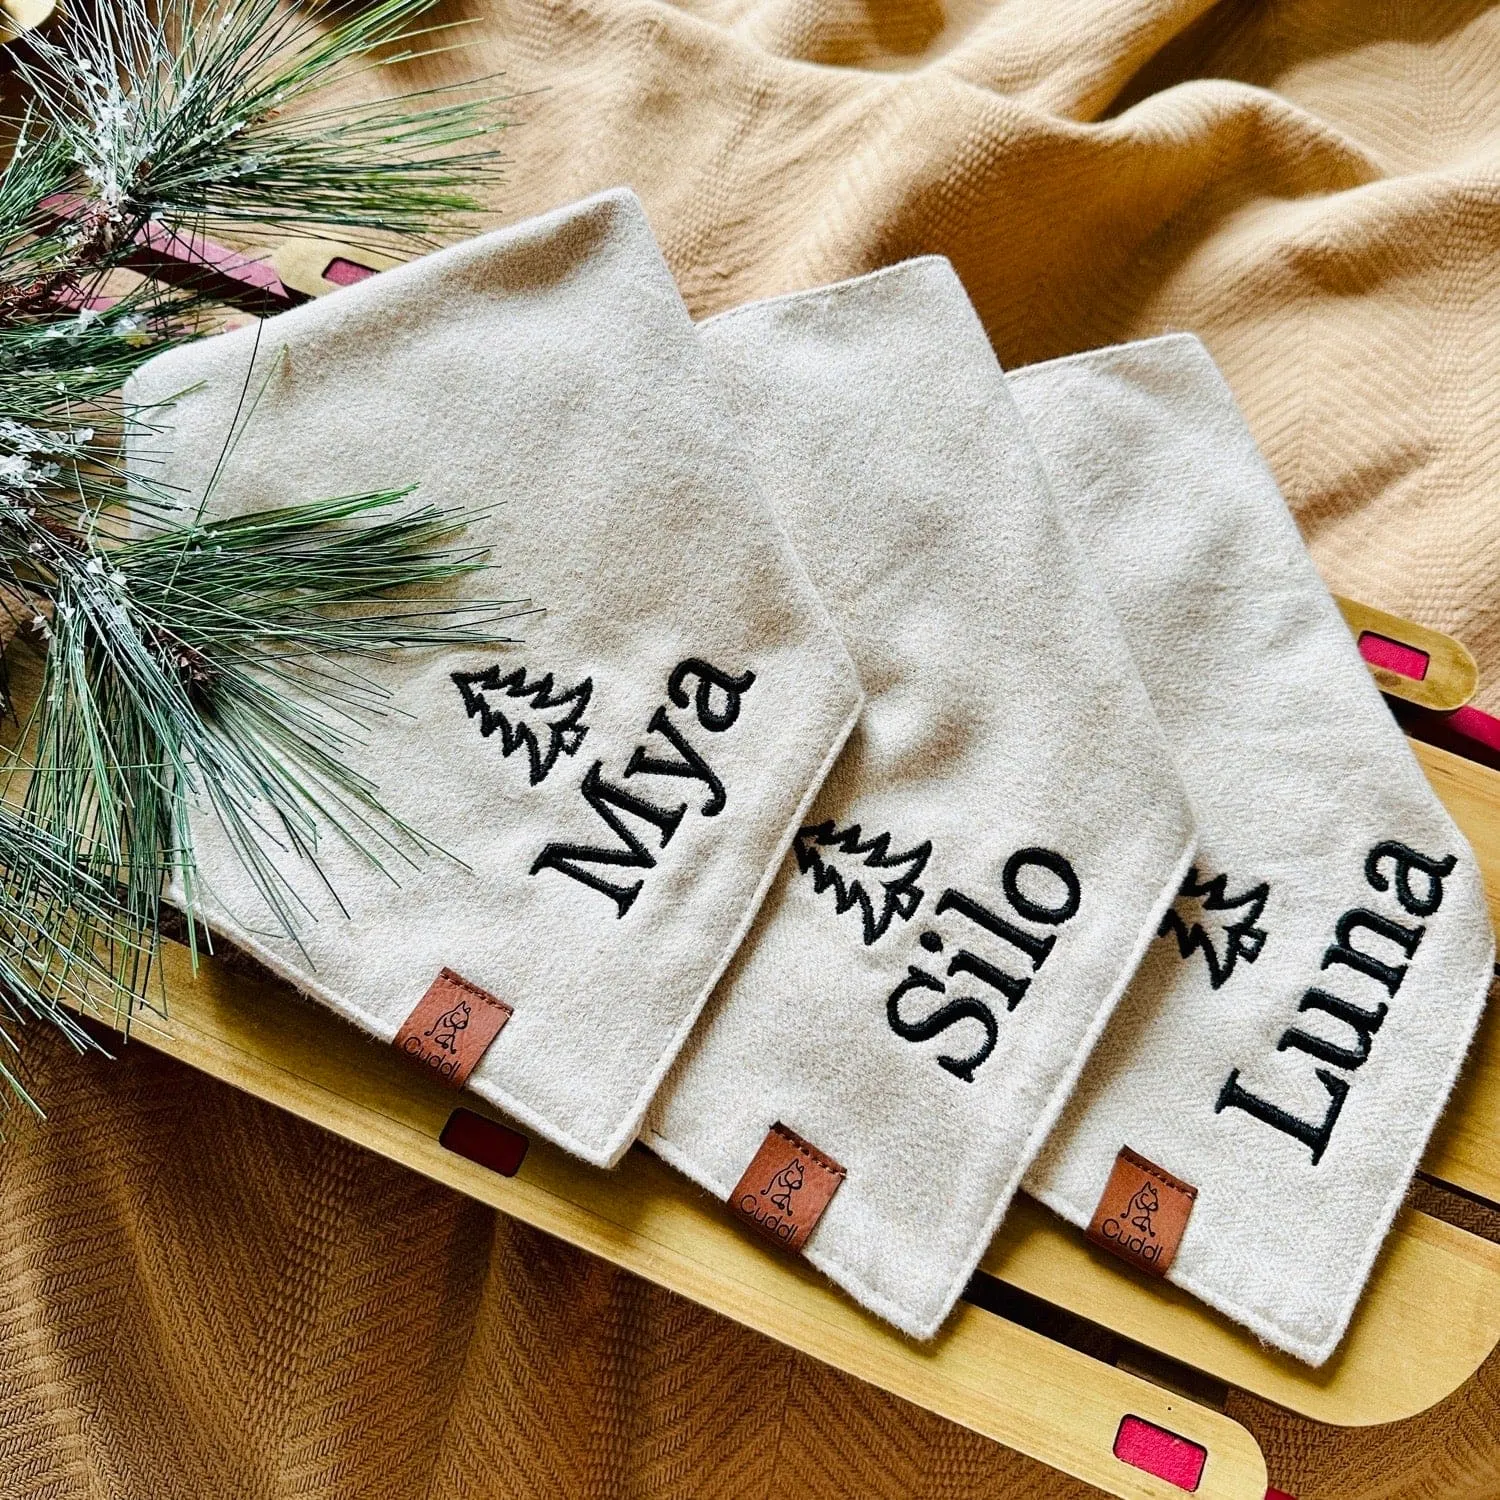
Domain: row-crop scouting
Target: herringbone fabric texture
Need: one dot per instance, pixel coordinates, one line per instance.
(1312, 186)
(202, 1298)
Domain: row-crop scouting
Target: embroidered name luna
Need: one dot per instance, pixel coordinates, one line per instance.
(716, 703)
(1389, 868)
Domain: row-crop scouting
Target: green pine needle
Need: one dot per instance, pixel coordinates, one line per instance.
(192, 664)
(65, 945)
(185, 111)
(216, 664)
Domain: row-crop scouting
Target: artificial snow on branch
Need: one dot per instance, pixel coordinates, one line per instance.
(171, 644)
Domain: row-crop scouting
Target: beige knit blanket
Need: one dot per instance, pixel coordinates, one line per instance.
(201, 1297)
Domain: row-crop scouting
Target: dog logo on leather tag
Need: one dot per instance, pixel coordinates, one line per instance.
(1207, 919)
(451, 1027)
(528, 715)
(786, 1187)
(780, 1188)
(1142, 1213)
(443, 1033)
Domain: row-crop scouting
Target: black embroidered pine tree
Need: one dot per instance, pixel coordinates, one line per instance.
(862, 872)
(1207, 919)
(552, 727)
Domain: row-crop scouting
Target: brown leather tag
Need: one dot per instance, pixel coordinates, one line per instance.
(1142, 1213)
(786, 1187)
(451, 1028)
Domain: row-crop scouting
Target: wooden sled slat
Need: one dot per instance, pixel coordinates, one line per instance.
(1427, 1320)
(1431, 1314)
(1005, 1381)
(1465, 1149)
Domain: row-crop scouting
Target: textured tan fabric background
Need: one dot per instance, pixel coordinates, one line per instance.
(200, 1297)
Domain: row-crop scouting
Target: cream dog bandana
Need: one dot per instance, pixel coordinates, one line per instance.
(1250, 1121)
(618, 791)
(994, 849)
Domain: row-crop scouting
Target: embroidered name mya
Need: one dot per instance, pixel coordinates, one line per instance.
(1364, 944)
(715, 701)
(1051, 906)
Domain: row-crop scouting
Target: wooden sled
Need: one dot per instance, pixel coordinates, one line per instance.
(1148, 1421)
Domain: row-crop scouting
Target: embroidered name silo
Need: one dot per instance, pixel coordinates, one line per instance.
(1363, 955)
(1044, 908)
(716, 699)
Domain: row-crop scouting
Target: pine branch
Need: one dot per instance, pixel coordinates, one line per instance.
(192, 663)
(187, 113)
(211, 664)
(65, 944)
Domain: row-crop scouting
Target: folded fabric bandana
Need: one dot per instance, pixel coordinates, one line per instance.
(1250, 1121)
(623, 786)
(992, 852)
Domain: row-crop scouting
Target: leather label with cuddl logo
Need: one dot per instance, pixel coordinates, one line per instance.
(1142, 1213)
(452, 1027)
(786, 1187)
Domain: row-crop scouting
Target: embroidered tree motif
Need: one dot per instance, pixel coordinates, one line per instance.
(548, 724)
(862, 872)
(1206, 918)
